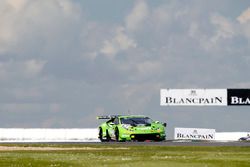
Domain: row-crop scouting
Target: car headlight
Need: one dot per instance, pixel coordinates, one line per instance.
(158, 129)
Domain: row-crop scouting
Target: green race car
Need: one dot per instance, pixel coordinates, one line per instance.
(131, 128)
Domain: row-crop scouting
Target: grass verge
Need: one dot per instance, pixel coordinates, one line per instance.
(81, 155)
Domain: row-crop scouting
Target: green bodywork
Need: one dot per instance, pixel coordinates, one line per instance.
(131, 128)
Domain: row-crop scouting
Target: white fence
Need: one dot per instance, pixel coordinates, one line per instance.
(207, 134)
(81, 135)
(230, 136)
(48, 135)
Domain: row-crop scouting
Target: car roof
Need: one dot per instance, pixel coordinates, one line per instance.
(111, 117)
(132, 116)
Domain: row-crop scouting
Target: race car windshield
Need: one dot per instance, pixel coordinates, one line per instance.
(136, 121)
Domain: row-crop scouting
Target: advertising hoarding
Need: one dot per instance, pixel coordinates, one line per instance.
(193, 97)
(238, 96)
(194, 134)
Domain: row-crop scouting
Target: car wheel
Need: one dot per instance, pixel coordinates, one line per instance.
(117, 134)
(101, 135)
(107, 136)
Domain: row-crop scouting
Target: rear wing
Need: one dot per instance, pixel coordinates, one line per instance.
(106, 116)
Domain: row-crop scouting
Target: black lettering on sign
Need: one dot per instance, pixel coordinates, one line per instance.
(238, 96)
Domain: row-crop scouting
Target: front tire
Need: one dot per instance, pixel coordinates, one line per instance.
(107, 136)
(117, 137)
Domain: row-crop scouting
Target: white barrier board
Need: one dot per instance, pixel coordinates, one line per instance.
(193, 97)
(230, 136)
(194, 134)
(48, 135)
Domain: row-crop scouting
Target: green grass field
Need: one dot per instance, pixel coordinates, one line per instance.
(73, 155)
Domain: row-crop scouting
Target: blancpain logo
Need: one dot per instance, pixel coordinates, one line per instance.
(239, 100)
(193, 97)
(192, 100)
(193, 93)
(194, 136)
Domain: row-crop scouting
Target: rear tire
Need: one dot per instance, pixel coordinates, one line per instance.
(101, 135)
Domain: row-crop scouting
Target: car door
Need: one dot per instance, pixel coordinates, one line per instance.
(113, 126)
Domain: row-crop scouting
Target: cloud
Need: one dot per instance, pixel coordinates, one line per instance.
(244, 17)
(19, 108)
(70, 67)
(38, 24)
(120, 42)
(148, 68)
(225, 29)
(35, 35)
(33, 67)
(17, 4)
(244, 20)
(17, 69)
(137, 15)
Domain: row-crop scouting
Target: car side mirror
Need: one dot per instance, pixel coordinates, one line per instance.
(164, 124)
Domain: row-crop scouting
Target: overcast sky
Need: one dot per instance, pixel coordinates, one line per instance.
(64, 62)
